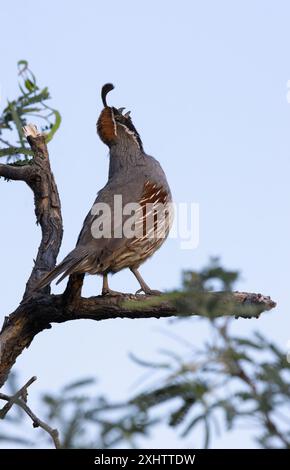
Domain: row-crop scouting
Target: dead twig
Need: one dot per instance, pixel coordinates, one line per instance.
(19, 399)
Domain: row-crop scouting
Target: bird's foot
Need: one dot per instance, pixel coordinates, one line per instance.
(113, 293)
(148, 291)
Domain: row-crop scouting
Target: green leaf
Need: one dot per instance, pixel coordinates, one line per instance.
(206, 433)
(55, 126)
(31, 110)
(247, 342)
(79, 384)
(29, 85)
(22, 62)
(39, 98)
(17, 122)
(178, 416)
(148, 364)
(191, 425)
(24, 65)
(10, 151)
(245, 396)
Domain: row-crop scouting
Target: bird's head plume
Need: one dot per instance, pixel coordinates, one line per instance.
(113, 122)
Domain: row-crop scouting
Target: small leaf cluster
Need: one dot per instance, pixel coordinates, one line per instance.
(30, 105)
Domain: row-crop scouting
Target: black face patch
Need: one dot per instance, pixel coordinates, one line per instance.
(127, 122)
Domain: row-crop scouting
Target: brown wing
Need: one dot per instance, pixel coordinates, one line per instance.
(152, 225)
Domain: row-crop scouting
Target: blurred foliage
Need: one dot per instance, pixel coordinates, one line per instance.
(85, 420)
(236, 381)
(228, 383)
(31, 103)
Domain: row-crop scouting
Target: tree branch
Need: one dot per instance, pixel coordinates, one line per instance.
(47, 208)
(37, 314)
(17, 173)
(22, 393)
(39, 177)
(19, 399)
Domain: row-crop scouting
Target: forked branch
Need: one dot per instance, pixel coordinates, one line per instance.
(20, 399)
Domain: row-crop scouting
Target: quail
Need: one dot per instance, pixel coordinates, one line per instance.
(136, 178)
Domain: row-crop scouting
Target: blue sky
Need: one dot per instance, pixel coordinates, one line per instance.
(206, 83)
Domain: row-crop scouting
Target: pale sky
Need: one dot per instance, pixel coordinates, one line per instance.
(206, 83)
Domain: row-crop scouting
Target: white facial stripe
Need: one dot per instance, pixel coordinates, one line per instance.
(114, 122)
(130, 133)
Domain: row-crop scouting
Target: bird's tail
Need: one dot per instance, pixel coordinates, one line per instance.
(72, 263)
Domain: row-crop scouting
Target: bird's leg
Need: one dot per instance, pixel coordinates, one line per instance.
(105, 284)
(106, 290)
(144, 287)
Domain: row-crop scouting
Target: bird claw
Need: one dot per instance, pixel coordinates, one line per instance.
(148, 291)
(112, 293)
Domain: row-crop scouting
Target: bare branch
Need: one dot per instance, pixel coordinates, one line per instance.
(19, 399)
(20, 394)
(39, 177)
(47, 208)
(16, 173)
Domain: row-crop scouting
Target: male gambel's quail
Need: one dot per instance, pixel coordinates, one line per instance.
(138, 178)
